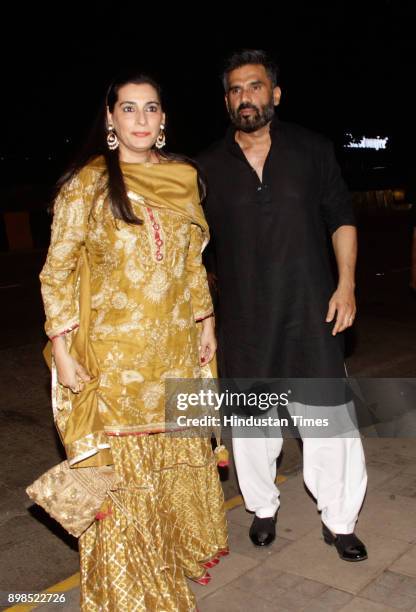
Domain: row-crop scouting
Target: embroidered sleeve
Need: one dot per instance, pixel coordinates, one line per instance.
(58, 274)
(197, 276)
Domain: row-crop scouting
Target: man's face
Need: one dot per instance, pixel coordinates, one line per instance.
(250, 98)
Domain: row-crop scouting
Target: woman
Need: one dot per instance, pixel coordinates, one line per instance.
(124, 291)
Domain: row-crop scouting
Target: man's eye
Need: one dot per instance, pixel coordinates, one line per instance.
(257, 86)
(152, 109)
(128, 109)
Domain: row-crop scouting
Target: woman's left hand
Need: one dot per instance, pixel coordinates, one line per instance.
(208, 342)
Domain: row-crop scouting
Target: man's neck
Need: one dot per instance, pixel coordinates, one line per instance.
(259, 138)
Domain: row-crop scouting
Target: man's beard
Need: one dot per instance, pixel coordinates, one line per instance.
(252, 123)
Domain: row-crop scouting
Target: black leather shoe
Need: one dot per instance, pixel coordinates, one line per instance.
(263, 530)
(349, 547)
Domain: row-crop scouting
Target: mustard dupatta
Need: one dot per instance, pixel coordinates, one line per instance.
(76, 414)
(167, 185)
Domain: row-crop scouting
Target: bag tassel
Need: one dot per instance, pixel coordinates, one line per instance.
(222, 456)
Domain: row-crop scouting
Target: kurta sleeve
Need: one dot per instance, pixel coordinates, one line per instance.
(336, 200)
(197, 276)
(58, 274)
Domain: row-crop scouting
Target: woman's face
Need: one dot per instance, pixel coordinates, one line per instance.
(136, 117)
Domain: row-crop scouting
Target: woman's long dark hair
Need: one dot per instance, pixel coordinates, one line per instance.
(96, 145)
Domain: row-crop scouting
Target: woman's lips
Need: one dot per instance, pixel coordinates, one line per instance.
(141, 134)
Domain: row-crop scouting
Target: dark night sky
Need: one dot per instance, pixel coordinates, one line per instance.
(344, 65)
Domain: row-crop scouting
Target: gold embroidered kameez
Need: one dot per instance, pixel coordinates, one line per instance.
(146, 288)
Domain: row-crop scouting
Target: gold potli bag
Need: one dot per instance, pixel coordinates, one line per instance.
(73, 496)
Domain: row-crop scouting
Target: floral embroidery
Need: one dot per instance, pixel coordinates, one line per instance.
(133, 272)
(119, 300)
(129, 376)
(151, 394)
(157, 287)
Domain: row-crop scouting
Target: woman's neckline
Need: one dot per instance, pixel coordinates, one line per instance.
(161, 160)
(147, 163)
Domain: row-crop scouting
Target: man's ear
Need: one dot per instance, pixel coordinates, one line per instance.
(277, 93)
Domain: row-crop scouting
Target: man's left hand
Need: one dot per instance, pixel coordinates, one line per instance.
(342, 303)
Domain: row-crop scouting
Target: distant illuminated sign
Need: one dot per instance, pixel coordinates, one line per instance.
(363, 142)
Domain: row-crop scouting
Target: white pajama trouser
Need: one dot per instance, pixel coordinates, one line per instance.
(333, 470)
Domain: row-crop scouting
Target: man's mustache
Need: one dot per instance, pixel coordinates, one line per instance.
(245, 105)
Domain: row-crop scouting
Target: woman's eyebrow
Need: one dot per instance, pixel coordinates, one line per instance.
(149, 102)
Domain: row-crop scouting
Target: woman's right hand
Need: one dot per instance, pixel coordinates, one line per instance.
(71, 374)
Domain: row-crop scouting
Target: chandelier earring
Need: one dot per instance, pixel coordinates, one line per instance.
(161, 139)
(112, 140)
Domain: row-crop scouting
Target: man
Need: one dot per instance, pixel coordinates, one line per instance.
(274, 194)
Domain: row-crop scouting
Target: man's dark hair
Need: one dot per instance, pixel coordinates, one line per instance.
(250, 56)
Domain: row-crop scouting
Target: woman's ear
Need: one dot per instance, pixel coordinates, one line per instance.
(109, 117)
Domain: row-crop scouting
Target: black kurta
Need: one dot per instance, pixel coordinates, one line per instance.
(270, 246)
